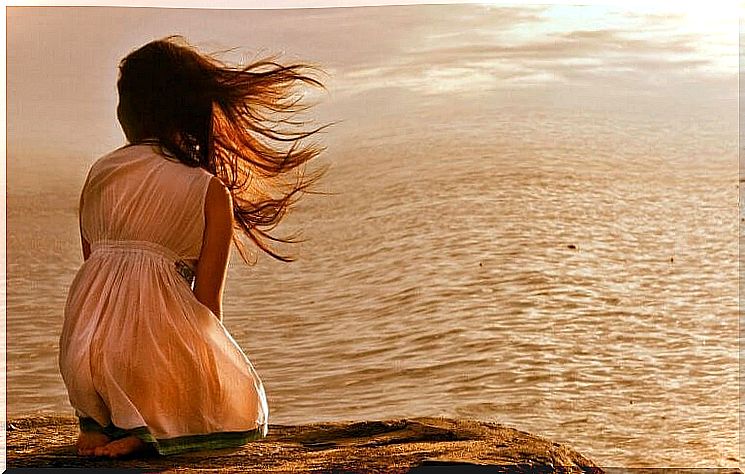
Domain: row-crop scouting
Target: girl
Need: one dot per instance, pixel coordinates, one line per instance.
(143, 352)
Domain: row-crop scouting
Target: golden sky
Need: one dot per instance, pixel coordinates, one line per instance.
(61, 61)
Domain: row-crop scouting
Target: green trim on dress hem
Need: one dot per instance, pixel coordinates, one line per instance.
(169, 446)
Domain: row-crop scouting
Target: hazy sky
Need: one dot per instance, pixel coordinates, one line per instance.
(62, 61)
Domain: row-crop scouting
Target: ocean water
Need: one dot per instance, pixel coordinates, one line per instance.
(572, 274)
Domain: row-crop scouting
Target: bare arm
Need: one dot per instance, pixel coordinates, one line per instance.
(86, 247)
(85, 244)
(213, 259)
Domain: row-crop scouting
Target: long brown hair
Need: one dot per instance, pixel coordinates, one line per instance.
(242, 124)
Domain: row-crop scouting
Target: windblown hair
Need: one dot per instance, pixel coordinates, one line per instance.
(239, 123)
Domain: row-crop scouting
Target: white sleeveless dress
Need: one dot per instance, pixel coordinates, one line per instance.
(139, 354)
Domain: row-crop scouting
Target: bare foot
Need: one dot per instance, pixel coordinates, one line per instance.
(88, 441)
(121, 447)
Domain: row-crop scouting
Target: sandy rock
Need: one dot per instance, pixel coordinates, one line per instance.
(417, 445)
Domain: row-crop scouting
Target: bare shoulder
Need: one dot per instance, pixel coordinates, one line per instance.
(217, 191)
(218, 201)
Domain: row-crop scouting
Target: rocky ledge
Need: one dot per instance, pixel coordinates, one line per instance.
(392, 446)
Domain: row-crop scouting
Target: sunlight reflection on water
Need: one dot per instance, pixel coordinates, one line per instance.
(545, 273)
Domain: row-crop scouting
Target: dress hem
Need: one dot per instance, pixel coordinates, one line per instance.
(180, 444)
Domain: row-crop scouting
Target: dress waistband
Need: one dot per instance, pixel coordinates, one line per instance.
(134, 245)
(146, 246)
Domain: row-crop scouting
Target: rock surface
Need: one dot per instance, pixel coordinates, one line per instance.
(417, 444)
